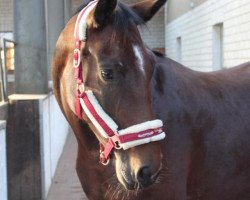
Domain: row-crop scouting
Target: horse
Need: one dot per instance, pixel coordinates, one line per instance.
(205, 115)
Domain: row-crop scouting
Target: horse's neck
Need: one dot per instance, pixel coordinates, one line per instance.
(183, 95)
(182, 87)
(179, 94)
(172, 83)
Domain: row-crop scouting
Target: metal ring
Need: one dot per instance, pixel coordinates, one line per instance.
(118, 146)
(107, 162)
(103, 160)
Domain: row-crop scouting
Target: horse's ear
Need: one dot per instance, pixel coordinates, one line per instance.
(147, 8)
(102, 12)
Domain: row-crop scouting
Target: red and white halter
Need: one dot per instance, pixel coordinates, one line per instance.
(135, 135)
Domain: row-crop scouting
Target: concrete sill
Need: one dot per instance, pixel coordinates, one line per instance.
(3, 110)
(14, 97)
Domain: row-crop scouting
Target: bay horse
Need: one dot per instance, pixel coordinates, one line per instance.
(206, 116)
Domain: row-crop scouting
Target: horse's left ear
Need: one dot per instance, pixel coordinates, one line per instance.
(102, 12)
(147, 8)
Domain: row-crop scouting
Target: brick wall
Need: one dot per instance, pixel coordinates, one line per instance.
(6, 16)
(153, 34)
(195, 29)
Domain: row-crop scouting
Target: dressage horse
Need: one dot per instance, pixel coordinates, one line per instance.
(118, 94)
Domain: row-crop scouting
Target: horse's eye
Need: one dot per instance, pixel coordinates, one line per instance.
(107, 74)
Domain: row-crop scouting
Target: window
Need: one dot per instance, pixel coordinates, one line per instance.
(218, 46)
(178, 49)
(7, 67)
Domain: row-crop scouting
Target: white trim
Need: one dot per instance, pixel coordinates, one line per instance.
(100, 112)
(83, 21)
(142, 127)
(132, 129)
(92, 119)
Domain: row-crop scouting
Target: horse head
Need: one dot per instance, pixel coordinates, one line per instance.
(117, 68)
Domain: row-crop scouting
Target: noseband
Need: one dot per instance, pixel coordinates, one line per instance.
(86, 102)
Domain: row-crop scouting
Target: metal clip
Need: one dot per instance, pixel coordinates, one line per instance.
(103, 160)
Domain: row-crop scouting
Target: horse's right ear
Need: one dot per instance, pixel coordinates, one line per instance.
(101, 14)
(147, 8)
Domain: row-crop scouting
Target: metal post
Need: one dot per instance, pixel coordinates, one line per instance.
(54, 24)
(5, 71)
(31, 75)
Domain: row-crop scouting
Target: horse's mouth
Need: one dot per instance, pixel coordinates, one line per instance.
(130, 184)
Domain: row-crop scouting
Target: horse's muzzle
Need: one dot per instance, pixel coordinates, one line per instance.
(142, 179)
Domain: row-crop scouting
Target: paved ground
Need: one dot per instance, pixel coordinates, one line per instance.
(66, 185)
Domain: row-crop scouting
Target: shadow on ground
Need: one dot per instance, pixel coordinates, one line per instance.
(66, 185)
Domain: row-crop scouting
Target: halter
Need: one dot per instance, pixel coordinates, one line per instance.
(86, 102)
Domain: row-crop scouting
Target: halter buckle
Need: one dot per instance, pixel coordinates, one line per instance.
(77, 58)
(116, 141)
(80, 87)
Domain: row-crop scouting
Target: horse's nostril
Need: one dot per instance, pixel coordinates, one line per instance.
(144, 176)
